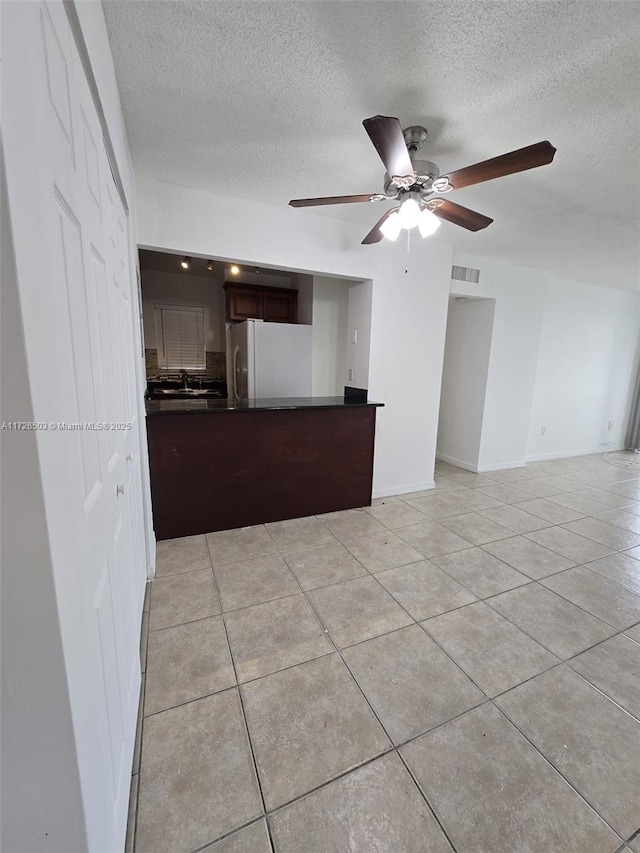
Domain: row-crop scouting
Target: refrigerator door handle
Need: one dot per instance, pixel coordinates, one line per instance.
(237, 372)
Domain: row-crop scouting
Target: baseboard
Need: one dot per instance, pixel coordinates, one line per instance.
(566, 454)
(481, 469)
(501, 466)
(459, 463)
(402, 490)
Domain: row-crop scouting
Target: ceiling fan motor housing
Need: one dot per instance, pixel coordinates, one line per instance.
(426, 172)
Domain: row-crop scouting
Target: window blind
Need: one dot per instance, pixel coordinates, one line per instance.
(183, 338)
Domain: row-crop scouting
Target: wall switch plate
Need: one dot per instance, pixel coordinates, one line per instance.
(543, 430)
(610, 426)
(350, 374)
(354, 337)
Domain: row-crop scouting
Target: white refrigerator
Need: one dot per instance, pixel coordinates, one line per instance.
(268, 360)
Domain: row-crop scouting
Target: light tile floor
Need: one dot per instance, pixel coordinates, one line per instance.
(457, 669)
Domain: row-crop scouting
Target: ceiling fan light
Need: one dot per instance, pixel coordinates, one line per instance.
(409, 213)
(428, 223)
(391, 227)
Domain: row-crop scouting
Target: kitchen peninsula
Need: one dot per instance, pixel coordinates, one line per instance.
(219, 464)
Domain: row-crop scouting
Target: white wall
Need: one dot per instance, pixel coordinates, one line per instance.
(519, 298)
(464, 380)
(305, 286)
(563, 355)
(586, 368)
(408, 311)
(360, 299)
(330, 306)
(178, 289)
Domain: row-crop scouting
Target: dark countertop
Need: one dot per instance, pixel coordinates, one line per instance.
(210, 405)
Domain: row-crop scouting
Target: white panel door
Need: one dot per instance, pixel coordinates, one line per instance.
(78, 223)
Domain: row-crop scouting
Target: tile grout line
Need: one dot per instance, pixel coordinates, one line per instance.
(393, 749)
(616, 550)
(552, 765)
(414, 621)
(602, 693)
(539, 642)
(615, 627)
(242, 708)
(559, 662)
(141, 700)
(252, 822)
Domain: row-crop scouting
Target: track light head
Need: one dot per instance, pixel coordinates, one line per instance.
(185, 263)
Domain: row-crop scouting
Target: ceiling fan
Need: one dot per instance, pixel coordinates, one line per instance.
(418, 184)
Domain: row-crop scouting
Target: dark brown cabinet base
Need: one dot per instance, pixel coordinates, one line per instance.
(234, 469)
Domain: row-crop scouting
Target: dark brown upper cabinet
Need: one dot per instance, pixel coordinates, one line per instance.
(248, 302)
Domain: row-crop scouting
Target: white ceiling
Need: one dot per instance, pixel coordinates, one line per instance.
(265, 100)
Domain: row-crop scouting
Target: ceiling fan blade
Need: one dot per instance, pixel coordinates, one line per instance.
(458, 215)
(386, 134)
(507, 164)
(335, 199)
(375, 235)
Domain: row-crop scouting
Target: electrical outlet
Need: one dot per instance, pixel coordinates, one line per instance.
(354, 336)
(543, 430)
(610, 426)
(350, 374)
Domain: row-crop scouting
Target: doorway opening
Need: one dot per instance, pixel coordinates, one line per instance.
(191, 304)
(464, 381)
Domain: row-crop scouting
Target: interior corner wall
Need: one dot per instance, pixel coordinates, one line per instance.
(304, 284)
(329, 334)
(408, 323)
(588, 357)
(563, 357)
(408, 309)
(358, 352)
(464, 380)
(519, 295)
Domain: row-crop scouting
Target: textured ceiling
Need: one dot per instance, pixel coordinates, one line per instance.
(265, 100)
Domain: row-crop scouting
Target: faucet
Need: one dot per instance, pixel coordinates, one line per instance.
(185, 377)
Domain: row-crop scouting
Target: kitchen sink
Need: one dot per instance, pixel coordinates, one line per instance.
(185, 392)
(166, 388)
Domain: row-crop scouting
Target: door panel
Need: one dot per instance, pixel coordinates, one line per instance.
(82, 371)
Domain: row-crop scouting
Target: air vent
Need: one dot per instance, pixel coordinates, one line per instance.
(465, 274)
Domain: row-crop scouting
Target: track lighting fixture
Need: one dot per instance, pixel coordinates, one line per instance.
(234, 270)
(210, 266)
(185, 263)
